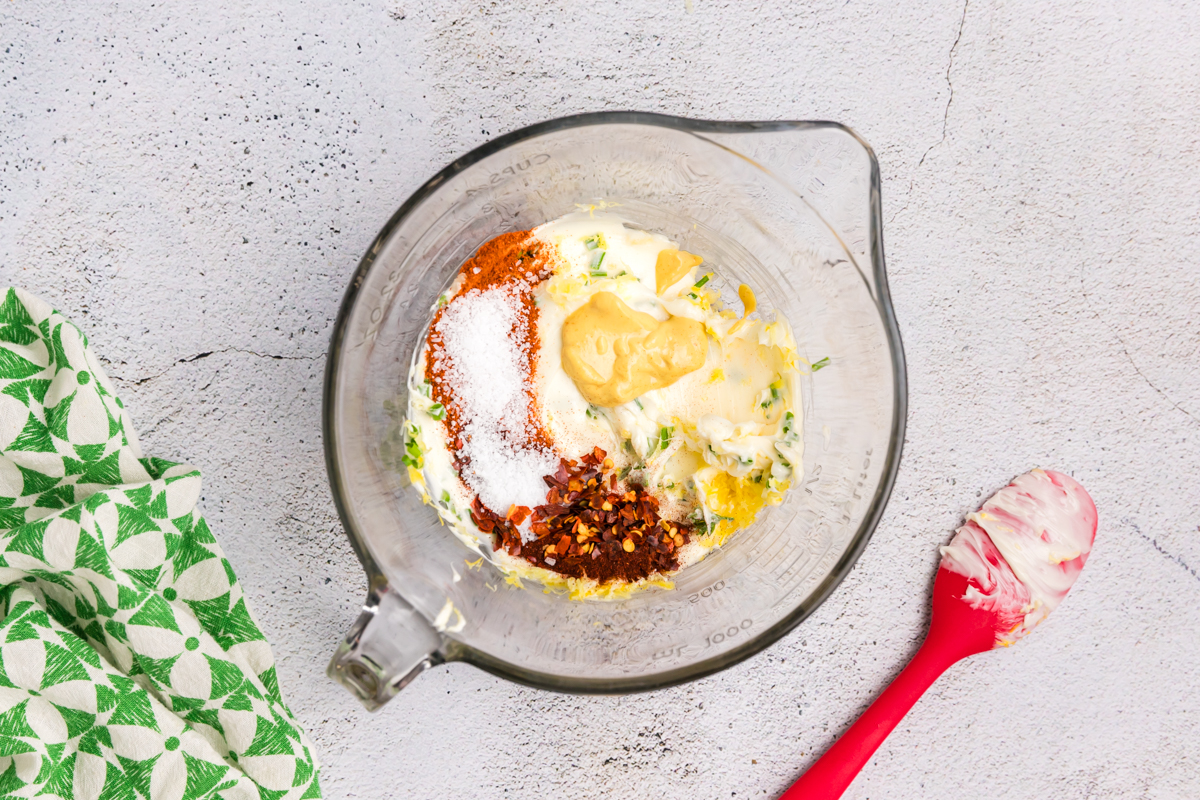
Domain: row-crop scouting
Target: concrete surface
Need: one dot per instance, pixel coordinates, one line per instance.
(193, 182)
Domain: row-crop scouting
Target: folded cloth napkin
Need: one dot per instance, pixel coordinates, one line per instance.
(129, 664)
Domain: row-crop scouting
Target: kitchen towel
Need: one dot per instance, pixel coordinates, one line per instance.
(130, 666)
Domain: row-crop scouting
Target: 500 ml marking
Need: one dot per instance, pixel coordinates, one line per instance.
(706, 592)
(730, 632)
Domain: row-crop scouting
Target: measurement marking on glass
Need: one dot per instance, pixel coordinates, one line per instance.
(706, 592)
(728, 633)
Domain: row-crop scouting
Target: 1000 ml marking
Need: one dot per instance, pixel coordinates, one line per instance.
(710, 640)
(729, 633)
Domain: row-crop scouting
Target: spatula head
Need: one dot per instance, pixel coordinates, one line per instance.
(1016, 558)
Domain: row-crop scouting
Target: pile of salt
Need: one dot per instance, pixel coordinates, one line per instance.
(485, 362)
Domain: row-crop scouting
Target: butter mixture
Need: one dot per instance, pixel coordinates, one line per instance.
(587, 413)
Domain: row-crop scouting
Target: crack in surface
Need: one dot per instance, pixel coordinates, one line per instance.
(1087, 299)
(949, 66)
(1165, 553)
(206, 354)
(945, 114)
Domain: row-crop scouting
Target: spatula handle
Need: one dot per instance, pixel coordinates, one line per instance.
(956, 630)
(829, 777)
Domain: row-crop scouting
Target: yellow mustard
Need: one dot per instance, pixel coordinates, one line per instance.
(672, 265)
(615, 354)
(749, 305)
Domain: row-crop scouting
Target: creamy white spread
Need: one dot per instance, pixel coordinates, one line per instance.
(714, 447)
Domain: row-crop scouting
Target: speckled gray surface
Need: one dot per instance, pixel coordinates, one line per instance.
(194, 182)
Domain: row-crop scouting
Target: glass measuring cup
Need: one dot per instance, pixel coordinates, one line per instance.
(790, 208)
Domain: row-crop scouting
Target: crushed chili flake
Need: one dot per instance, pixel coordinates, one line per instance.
(583, 528)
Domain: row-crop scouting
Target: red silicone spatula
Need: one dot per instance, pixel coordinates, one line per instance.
(1008, 567)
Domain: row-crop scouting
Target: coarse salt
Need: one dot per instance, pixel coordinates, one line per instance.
(484, 362)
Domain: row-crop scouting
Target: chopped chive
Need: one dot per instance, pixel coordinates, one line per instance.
(664, 436)
(639, 404)
(437, 411)
(412, 450)
(445, 496)
(592, 242)
(824, 362)
(598, 259)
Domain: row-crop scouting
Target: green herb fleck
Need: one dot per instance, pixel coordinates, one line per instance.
(775, 395)
(413, 457)
(824, 362)
(437, 411)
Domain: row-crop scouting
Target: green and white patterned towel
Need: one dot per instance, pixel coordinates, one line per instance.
(129, 664)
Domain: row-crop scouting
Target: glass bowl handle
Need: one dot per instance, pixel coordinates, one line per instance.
(389, 645)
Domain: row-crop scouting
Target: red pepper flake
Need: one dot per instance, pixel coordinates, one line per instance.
(581, 537)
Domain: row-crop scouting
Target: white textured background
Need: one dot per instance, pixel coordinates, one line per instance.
(193, 183)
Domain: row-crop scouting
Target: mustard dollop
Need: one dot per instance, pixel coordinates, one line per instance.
(614, 353)
(672, 265)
